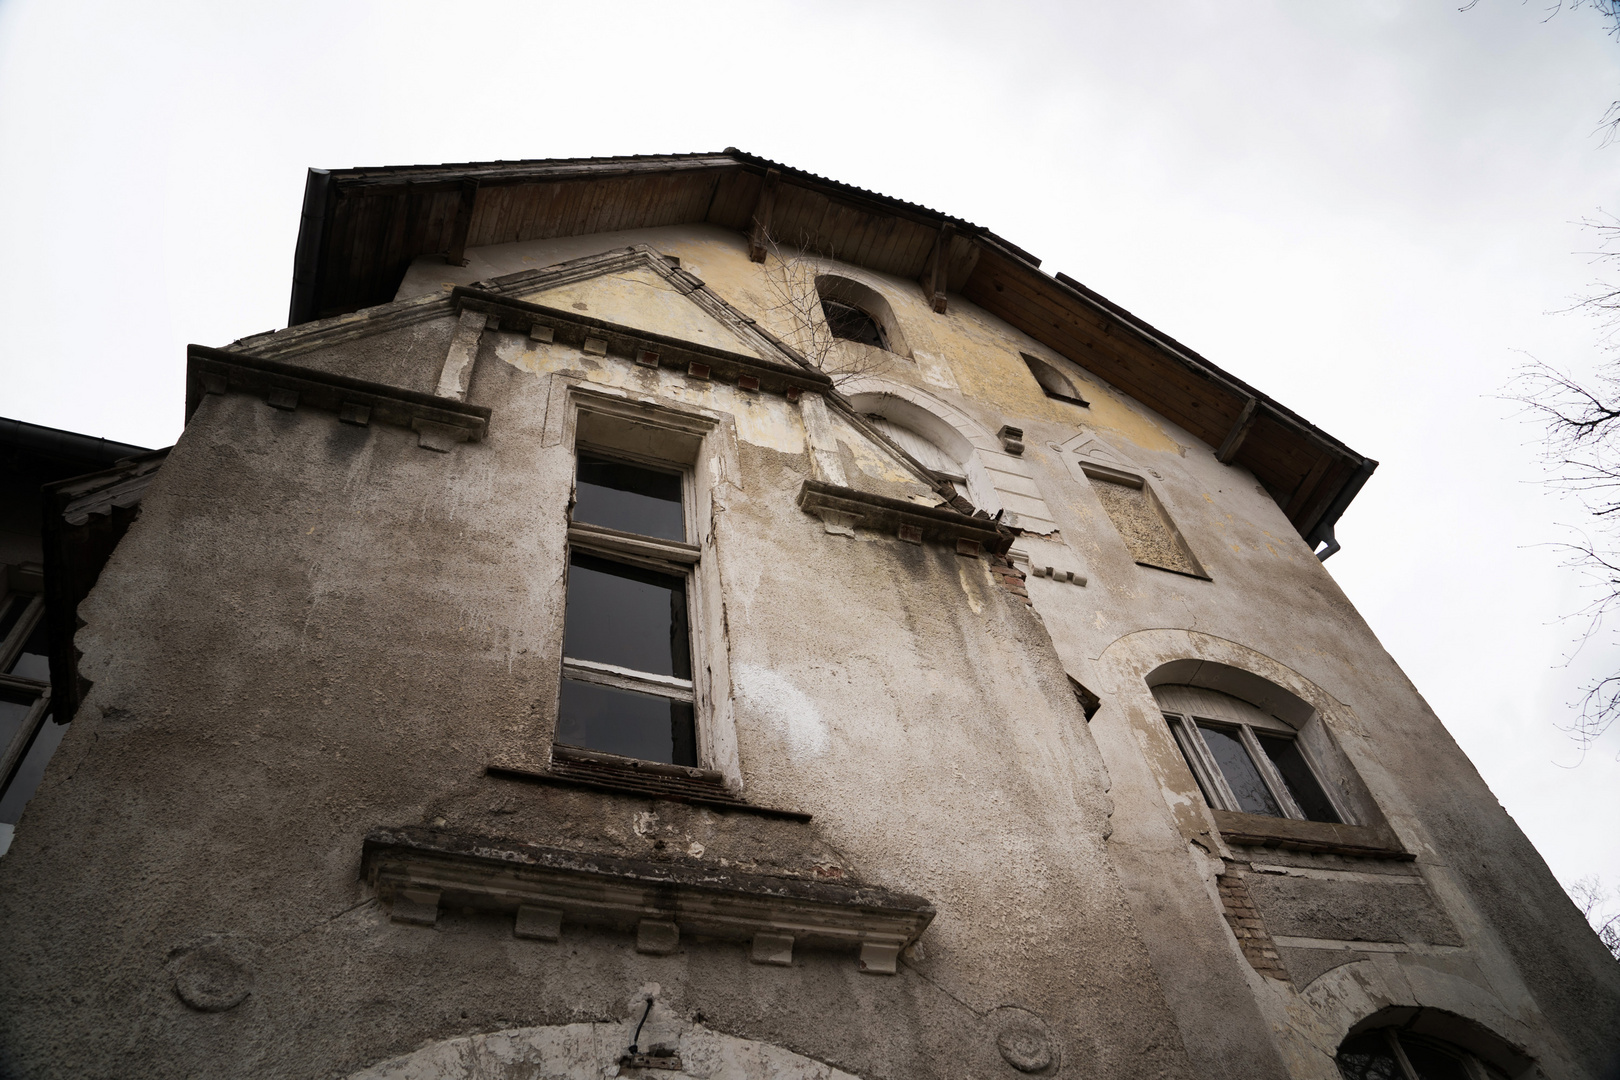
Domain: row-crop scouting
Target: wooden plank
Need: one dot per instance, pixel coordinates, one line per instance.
(936, 274)
(461, 228)
(1307, 486)
(759, 224)
(1240, 431)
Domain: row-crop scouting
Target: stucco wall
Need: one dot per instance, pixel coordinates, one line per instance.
(316, 629)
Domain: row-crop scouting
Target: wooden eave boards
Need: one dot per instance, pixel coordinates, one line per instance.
(363, 227)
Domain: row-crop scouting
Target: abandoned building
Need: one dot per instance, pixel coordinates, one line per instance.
(685, 616)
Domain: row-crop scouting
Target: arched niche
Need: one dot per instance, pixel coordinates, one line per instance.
(861, 295)
(933, 441)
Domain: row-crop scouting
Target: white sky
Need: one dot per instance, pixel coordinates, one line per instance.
(1364, 209)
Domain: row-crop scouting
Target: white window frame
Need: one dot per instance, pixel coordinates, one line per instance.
(701, 446)
(1184, 726)
(675, 558)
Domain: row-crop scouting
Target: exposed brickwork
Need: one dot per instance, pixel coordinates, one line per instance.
(1010, 577)
(1250, 929)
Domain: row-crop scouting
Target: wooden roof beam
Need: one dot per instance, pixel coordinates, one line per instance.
(933, 281)
(457, 255)
(760, 231)
(1240, 431)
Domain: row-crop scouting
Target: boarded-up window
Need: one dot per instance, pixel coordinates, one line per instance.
(1147, 530)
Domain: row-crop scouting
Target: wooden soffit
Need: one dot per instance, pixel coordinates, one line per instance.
(362, 228)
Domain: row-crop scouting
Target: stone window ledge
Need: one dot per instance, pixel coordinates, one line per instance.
(1259, 830)
(577, 767)
(417, 870)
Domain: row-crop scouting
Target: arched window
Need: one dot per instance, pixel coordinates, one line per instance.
(1390, 1054)
(850, 323)
(1245, 759)
(1056, 383)
(920, 447)
(857, 312)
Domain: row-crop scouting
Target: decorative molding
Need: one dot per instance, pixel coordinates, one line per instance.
(219, 371)
(845, 508)
(417, 870)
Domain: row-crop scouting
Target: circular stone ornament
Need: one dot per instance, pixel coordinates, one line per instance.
(210, 979)
(1024, 1040)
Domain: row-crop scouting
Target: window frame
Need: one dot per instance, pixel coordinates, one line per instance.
(1212, 782)
(13, 754)
(675, 558)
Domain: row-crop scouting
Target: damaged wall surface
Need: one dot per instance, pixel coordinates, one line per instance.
(342, 797)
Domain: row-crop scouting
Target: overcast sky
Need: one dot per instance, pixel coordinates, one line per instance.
(1365, 209)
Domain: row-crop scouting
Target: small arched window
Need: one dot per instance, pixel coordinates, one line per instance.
(856, 312)
(920, 447)
(1056, 383)
(1244, 759)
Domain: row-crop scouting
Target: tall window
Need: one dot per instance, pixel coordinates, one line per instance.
(627, 652)
(28, 734)
(1243, 759)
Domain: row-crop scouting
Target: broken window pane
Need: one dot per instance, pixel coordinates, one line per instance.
(623, 722)
(629, 498)
(1368, 1057)
(1290, 761)
(627, 616)
(1239, 769)
(852, 324)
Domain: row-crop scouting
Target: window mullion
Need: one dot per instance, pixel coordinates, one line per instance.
(19, 633)
(1321, 782)
(1269, 773)
(1401, 1059)
(11, 755)
(1199, 752)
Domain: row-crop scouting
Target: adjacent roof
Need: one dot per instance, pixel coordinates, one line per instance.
(362, 228)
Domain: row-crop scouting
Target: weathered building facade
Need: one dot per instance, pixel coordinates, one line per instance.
(684, 616)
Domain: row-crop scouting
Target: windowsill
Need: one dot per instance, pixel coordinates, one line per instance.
(1258, 830)
(573, 766)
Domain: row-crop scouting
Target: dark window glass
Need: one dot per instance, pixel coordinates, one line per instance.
(852, 324)
(1368, 1057)
(28, 775)
(33, 662)
(1432, 1063)
(14, 709)
(1285, 754)
(1240, 772)
(625, 615)
(11, 610)
(623, 722)
(629, 498)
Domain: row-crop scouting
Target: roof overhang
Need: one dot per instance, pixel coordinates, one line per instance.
(362, 229)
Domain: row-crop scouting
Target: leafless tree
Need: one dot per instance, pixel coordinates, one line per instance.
(794, 310)
(1580, 422)
(1609, 12)
(1593, 900)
